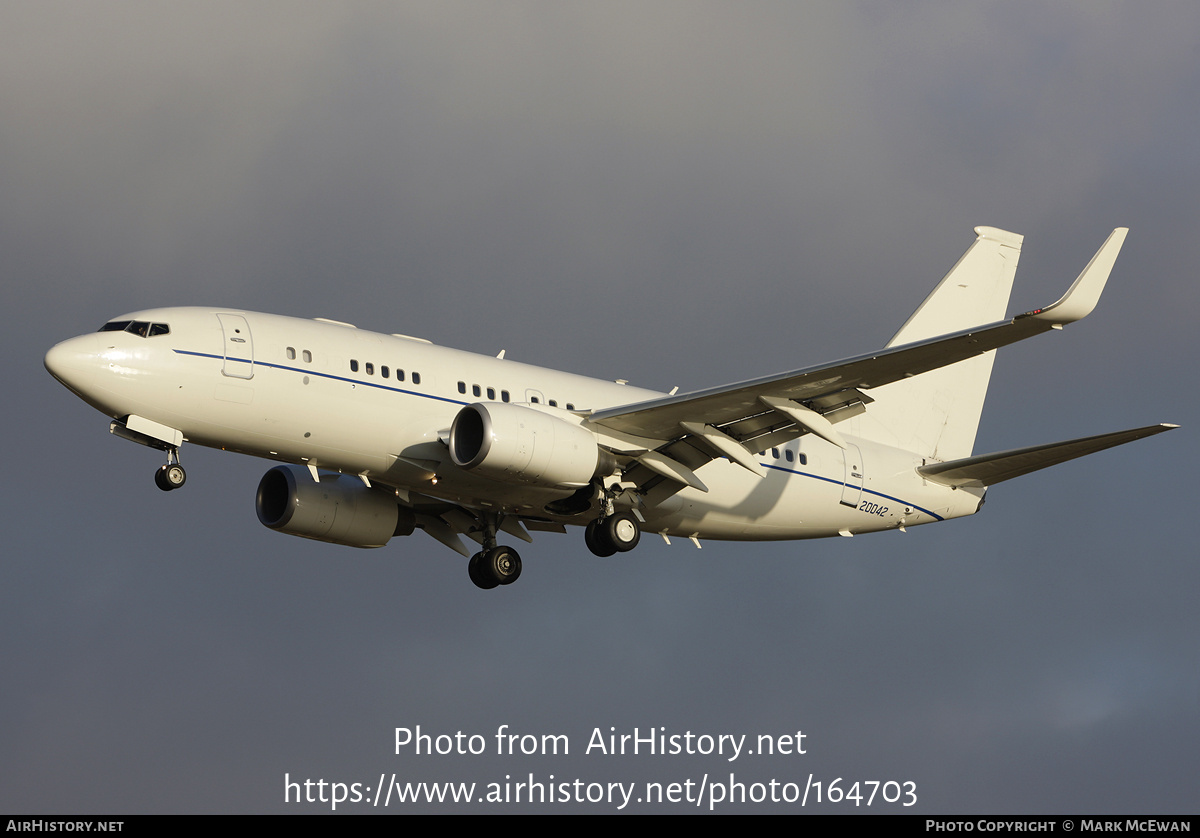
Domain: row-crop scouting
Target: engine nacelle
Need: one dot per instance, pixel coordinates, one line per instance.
(524, 445)
(339, 509)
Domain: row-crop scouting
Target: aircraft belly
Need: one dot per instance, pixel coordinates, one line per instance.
(808, 501)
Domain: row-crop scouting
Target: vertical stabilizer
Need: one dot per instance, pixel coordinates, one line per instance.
(937, 414)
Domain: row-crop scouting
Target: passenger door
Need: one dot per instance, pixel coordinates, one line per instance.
(239, 346)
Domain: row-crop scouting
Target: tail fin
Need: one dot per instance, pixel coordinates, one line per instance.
(937, 414)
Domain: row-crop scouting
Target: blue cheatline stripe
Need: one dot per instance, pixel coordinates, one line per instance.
(327, 375)
(456, 401)
(933, 515)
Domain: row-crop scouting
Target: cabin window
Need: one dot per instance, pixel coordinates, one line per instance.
(503, 395)
(291, 353)
(775, 453)
(803, 459)
(553, 403)
(399, 375)
(788, 454)
(570, 406)
(416, 378)
(307, 357)
(492, 393)
(475, 391)
(383, 371)
(462, 387)
(353, 365)
(370, 368)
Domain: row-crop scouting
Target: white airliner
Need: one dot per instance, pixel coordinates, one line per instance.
(384, 434)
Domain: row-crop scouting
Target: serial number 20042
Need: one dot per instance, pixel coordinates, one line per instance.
(872, 508)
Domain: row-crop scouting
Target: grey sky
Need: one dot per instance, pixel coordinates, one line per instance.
(672, 193)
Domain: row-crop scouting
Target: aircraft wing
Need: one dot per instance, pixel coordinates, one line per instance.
(754, 415)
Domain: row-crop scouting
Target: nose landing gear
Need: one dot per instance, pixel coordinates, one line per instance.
(170, 476)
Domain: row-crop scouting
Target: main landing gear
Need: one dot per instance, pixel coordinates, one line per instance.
(497, 566)
(170, 476)
(494, 565)
(616, 533)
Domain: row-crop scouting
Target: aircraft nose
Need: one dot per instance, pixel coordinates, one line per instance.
(67, 360)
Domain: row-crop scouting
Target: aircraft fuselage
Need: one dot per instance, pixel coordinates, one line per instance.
(344, 399)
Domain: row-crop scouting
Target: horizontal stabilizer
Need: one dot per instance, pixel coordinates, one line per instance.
(986, 469)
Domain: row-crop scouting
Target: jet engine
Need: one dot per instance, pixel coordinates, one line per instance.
(520, 444)
(339, 509)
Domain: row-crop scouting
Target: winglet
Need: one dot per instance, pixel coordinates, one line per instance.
(1084, 293)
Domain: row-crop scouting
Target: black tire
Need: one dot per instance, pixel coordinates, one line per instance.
(593, 537)
(478, 575)
(169, 477)
(622, 531)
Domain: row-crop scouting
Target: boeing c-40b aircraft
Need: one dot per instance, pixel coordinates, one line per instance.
(380, 435)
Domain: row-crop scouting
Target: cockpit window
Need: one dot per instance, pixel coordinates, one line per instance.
(141, 328)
